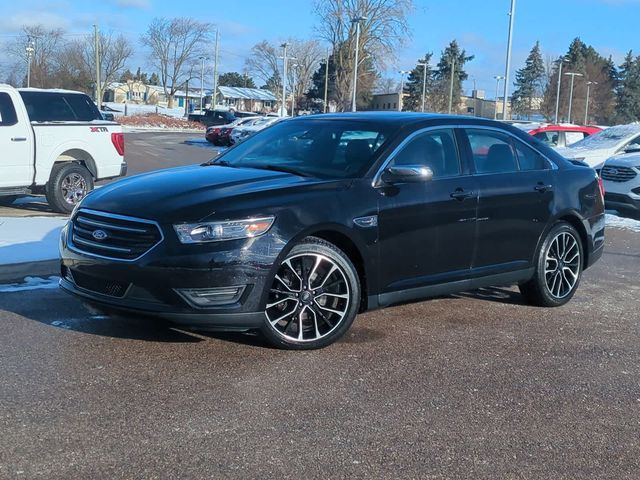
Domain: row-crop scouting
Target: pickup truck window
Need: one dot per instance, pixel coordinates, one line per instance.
(59, 107)
(8, 115)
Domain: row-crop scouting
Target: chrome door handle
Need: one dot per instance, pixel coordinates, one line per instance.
(460, 194)
(19, 139)
(543, 188)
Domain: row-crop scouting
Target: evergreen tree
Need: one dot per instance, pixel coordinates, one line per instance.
(529, 83)
(628, 91)
(154, 79)
(414, 84)
(236, 79)
(126, 76)
(316, 90)
(439, 99)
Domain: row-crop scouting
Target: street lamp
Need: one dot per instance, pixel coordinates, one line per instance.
(30, 51)
(424, 82)
(495, 110)
(202, 59)
(572, 75)
(294, 66)
(326, 80)
(561, 61)
(586, 108)
(357, 21)
(508, 66)
(453, 71)
(401, 94)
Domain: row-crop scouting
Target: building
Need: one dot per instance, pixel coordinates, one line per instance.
(133, 91)
(387, 101)
(478, 106)
(246, 99)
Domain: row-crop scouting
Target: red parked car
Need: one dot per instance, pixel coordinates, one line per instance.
(562, 135)
(220, 135)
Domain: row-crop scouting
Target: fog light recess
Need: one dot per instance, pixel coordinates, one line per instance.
(211, 297)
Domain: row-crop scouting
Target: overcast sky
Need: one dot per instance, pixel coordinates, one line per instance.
(611, 26)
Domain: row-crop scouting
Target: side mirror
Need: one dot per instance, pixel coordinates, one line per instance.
(108, 117)
(632, 148)
(407, 174)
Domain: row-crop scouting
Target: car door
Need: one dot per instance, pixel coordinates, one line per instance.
(16, 162)
(426, 230)
(516, 193)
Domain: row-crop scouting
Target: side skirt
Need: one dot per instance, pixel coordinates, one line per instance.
(400, 296)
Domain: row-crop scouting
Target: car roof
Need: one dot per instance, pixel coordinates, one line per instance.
(565, 128)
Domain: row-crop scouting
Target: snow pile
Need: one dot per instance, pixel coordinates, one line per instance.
(134, 109)
(30, 283)
(29, 239)
(622, 222)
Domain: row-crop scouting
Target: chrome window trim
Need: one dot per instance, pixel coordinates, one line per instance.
(117, 217)
(377, 182)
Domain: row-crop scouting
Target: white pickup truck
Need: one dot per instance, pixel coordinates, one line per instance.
(55, 142)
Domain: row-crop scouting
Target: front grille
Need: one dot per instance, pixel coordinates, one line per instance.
(113, 236)
(112, 288)
(617, 174)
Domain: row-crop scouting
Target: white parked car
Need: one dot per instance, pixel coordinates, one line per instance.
(621, 177)
(55, 142)
(597, 148)
(242, 133)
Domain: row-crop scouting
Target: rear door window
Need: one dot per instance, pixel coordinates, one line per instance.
(434, 149)
(492, 151)
(59, 107)
(548, 137)
(528, 158)
(8, 115)
(573, 137)
(83, 107)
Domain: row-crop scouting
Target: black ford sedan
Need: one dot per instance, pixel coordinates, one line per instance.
(315, 219)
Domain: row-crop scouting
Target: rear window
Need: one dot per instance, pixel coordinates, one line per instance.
(59, 107)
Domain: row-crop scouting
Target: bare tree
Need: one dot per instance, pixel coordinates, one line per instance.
(306, 54)
(115, 52)
(387, 85)
(383, 28)
(175, 45)
(44, 62)
(263, 63)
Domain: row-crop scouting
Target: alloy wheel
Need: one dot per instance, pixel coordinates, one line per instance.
(309, 298)
(74, 188)
(562, 265)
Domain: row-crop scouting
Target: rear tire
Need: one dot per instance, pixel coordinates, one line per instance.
(558, 268)
(313, 299)
(69, 183)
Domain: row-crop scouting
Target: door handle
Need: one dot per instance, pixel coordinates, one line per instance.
(19, 139)
(460, 194)
(541, 187)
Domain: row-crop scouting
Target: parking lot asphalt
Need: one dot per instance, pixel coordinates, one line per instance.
(144, 152)
(477, 385)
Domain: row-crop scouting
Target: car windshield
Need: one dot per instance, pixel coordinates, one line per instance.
(609, 138)
(317, 148)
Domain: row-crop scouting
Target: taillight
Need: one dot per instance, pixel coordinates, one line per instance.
(118, 141)
(601, 185)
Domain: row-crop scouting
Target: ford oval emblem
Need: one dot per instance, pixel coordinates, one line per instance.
(99, 234)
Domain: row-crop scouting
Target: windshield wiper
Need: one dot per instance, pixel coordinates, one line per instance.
(220, 163)
(281, 168)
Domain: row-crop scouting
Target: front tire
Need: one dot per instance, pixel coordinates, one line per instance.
(313, 299)
(558, 268)
(69, 183)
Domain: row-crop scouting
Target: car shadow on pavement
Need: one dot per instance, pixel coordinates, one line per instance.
(494, 294)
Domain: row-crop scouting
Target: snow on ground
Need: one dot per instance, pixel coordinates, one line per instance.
(29, 239)
(30, 283)
(622, 222)
(134, 109)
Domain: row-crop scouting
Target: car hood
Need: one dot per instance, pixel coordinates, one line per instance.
(594, 157)
(186, 193)
(625, 160)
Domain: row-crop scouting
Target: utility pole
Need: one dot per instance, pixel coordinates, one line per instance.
(214, 95)
(424, 83)
(562, 60)
(572, 75)
(293, 89)
(30, 51)
(495, 110)
(357, 21)
(453, 70)
(98, 67)
(326, 82)
(508, 65)
(586, 108)
(202, 59)
(283, 112)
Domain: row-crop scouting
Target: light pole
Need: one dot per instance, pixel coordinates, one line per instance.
(30, 50)
(586, 108)
(572, 75)
(424, 65)
(214, 95)
(293, 89)
(562, 61)
(202, 59)
(453, 71)
(283, 112)
(508, 65)
(326, 81)
(401, 93)
(495, 110)
(357, 21)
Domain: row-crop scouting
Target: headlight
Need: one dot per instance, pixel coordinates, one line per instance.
(217, 231)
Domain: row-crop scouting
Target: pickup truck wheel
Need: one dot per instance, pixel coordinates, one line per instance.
(68, 184)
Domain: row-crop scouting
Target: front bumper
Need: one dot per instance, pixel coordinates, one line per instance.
(153, 284)
(619, 201)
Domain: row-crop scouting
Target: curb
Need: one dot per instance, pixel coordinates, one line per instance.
(16, 272)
